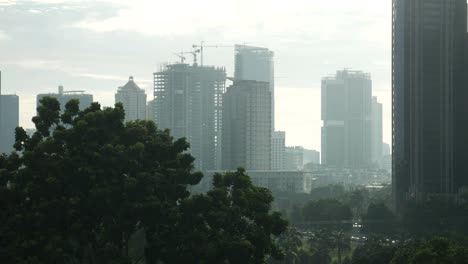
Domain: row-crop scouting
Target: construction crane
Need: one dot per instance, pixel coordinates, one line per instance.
(193, 53)
(181, 56)
(202, 46)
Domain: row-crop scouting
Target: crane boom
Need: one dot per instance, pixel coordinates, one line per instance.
(202, 46)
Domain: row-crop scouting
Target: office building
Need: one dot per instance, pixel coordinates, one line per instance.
(188, 101)
(311, 156)
(133, 99)
(63, 97)
(278, 151)
(294, 158)
(9, 121)
(256, 64)
(346, 115)
(150, 109)
(246, 132)
(376, 131)
(429, 96)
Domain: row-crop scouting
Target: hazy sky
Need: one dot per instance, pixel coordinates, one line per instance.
(96, 45)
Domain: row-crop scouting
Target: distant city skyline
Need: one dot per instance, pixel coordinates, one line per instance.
(95, 45)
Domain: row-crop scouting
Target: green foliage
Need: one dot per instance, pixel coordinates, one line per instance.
(380, 220)
(292, 245)
(328, 213)
(374, 251)
(232, 222)
(327, 192)
(87, 188)
(435, 251)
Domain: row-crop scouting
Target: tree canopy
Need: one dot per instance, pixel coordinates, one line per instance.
(87, 188)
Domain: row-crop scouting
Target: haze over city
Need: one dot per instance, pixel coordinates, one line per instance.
(95, 45)
(247, 131)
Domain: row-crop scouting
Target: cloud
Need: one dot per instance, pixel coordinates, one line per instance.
(238, 18)
(7, 2)
(3, 36)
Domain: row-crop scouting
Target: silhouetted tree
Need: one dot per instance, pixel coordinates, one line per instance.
(380, 220)
(87, 188)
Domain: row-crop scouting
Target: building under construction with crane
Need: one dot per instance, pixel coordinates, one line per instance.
(188, 101)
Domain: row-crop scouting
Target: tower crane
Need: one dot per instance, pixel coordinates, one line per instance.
(183, 58)
(202, 46)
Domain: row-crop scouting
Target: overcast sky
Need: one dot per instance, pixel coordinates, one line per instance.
(96, 45)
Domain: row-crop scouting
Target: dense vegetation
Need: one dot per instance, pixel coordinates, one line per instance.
(87, 188)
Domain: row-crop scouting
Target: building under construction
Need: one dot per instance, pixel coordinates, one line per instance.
(188, 101)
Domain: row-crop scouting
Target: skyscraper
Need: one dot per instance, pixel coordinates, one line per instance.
(9, 120)
(188, 101)
(246, 137)
(63, 97)
(133, 99)
(429, 98)
(346, 115)
(376, 131)
(256, 64)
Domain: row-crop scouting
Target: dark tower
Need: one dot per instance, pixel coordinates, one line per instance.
(429, 98)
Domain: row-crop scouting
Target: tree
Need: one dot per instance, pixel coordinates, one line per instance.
(331, 219)
(87, 188)
(373, 251)
(233, 222)
(329, 213)
(437, 250)
(380, 220)
(293, 247)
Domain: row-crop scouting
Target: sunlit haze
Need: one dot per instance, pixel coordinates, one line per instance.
(96, 45)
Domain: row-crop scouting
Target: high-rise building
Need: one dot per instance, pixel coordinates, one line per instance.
(429, 99)
(188, 101)
(246, 137)
(294, 158)
(278, 151)
(385, 149)
(63, 97)
(150, 107)
(256, 64)
(376, 131)
(311, 156)
(9, 121)
(346, 115)
(133, 99)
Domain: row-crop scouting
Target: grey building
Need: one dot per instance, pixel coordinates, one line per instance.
(376, 131)
(63, 97)
(429, 99)
(133, 99)
(246, 132)
(346, 115)
(9, 121)
(188, 101)
(278, 151)
(294, 158)
(311, 156)
(256, 64)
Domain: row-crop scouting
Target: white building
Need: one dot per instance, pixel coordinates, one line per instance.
(133, 99)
